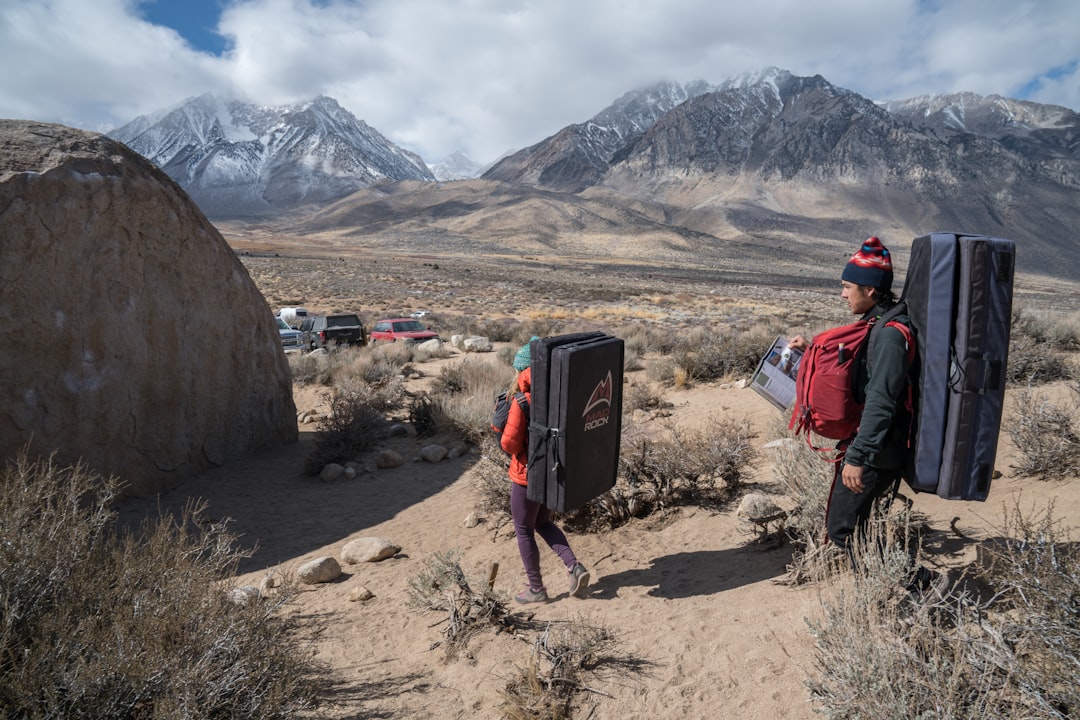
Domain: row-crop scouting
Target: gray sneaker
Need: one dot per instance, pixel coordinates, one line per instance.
(528, 595)
(579, 580)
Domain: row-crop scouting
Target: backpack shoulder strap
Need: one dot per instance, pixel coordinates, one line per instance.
(896, 317)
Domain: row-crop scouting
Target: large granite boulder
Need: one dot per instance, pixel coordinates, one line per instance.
(132, 337)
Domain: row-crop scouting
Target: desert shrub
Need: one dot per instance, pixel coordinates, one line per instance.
(636, 338)
(632, 358)
(883, 654)
(354, 423)
(1048, 330)
(805, 477)
(1036, 573)
(375, 366)
(494, 329)
(470, 605)
(96, 622)
(422, 416)
(463, 396)
(1046, 435)
(642, 396)
(661, 370)
(667, 466)
(706, 354)
(310, 368)
(563, 658)
(493, 483)
(506, 354)
(1031, 362)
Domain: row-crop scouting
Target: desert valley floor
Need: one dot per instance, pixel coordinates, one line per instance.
(692, 597)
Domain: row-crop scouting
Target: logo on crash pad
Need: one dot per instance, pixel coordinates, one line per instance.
(598, 409)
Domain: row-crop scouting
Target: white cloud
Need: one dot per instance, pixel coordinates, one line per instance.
(490, 75)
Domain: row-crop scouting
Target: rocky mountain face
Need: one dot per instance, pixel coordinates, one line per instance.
(237, 159)
(579, 155)
(798, 159)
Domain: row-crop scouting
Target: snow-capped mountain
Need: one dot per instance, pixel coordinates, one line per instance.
(457, 166)
(578, 155)
(237, 159)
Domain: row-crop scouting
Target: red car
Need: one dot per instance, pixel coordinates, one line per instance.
(407, 329)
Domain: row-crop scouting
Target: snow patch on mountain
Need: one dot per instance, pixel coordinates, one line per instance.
(236, 158)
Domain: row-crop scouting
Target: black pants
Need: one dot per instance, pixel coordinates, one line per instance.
(848, 512)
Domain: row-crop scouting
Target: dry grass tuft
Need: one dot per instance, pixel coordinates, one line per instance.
(885, 653)
(1046, 434)
(470, 606)
(99, 623)
(564, 658)
(463, 396)
(662, 467)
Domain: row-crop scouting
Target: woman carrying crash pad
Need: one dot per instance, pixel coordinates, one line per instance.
(532, 517)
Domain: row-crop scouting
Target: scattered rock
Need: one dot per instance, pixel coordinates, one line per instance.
(320, 570)
(476, 344)
(360, 594)
(433, 345)
(744, 383)
(759, 509)
(457, 451)
(472, 520)
(433, 453)
(332, 472)
(398, 430)
(457, 340)
(269, 582)
(388, 459)
(368, 549)
(245, 595)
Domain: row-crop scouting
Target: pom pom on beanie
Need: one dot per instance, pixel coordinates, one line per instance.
(871, 265)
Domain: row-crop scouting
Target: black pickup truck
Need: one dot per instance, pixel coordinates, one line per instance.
(328, 330)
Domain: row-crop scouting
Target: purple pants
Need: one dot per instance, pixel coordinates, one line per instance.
(531, 518)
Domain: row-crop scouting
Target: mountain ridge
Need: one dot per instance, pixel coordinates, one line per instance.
(241, 159)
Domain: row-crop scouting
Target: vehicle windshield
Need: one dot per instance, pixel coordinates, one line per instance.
(342, 321)
(407, 326)
(282, 325)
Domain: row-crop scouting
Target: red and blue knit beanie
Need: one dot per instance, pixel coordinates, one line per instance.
(871, 266)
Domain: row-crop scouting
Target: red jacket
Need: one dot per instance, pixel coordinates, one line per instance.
(515, 437)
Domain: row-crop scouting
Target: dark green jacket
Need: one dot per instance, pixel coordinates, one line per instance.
(881, 385)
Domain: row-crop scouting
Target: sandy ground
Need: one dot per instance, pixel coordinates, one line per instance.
(695, 600)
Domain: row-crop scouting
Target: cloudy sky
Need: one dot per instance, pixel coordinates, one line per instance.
(487, 76)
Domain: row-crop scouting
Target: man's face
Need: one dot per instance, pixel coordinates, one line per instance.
(860, 298)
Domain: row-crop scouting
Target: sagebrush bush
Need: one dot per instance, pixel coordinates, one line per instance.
(805, 477)
(662, 467)
(563, 657)
(470, 604)
(1048, 330)
(705, 354)
(884, 653)
(1031, 362)
(355, 421)
(1045, 434)
(101, 623)
(463, 396)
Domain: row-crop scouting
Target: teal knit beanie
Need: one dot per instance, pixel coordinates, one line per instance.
(524, 356)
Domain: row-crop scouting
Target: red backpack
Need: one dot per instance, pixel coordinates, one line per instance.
(824, 388)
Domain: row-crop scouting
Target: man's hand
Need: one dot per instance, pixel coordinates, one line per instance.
(851, 476)
(798, 343)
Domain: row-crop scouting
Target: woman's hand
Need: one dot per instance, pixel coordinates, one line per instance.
(798, 343)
